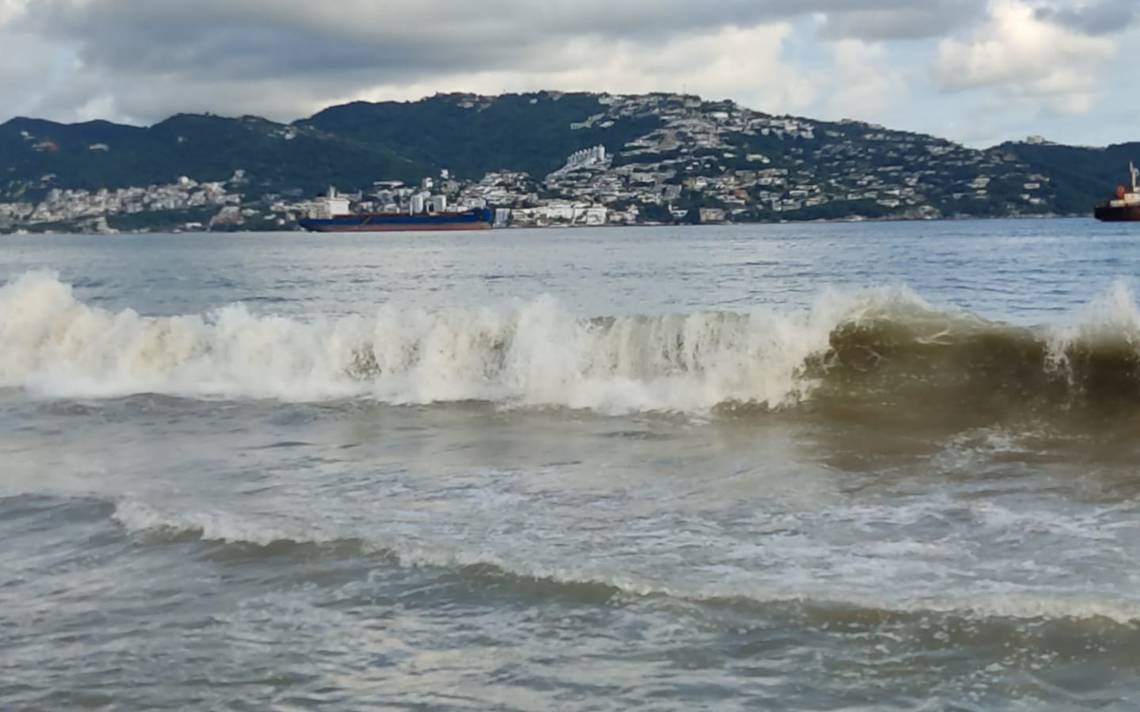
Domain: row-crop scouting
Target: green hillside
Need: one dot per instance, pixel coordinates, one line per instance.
(472, 135)
(664, 152)
(98, 155)
(1082, 176)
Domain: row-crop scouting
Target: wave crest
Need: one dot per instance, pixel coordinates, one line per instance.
(536, 354)
(587, 581)
(887, 346)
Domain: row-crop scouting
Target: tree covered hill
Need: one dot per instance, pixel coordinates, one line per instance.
(38, 155)
(1081, 176)
(664, 150)
(471, 135)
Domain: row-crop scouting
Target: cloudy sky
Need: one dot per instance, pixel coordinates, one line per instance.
(977, 71)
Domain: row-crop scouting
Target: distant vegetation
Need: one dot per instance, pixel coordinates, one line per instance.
(713, 155)
(471, 135)
(1081, 176)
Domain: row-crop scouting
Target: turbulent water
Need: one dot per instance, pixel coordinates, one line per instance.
(793, 467)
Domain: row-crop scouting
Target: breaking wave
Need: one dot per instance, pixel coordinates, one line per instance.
(859, 598)
(884, 347)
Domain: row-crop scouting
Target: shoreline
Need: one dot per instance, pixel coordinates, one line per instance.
(841, 221)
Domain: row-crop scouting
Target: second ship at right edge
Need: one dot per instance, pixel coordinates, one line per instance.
(1125, 207)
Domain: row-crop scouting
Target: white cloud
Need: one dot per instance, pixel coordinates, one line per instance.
(743, 63)
(10, 10)
(1021, 50)
(282, 57)
(142, 60)
(864, 84)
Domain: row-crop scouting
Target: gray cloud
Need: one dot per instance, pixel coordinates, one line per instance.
(143, 59)
(265, 38)
(150, 57)
(910, 21)
(1101, 17)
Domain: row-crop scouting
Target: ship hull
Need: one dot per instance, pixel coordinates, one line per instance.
(402, 227)
(1123, 213)
(394, 222)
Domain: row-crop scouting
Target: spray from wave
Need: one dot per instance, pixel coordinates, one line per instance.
(887, 346)
(536, 354)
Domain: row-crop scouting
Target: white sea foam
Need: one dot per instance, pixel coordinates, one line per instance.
(1112, 319)
(138, 517)
(537, 354)
(868, 577)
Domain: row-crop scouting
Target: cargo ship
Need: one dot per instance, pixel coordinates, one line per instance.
(1125, 207)
(332, 213)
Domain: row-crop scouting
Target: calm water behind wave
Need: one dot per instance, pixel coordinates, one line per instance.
(873, 466)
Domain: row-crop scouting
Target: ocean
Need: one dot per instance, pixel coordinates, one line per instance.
(875, 466)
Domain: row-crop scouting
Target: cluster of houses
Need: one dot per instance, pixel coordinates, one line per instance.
(701, 162)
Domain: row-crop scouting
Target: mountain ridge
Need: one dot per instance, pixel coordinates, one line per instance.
(665, 152)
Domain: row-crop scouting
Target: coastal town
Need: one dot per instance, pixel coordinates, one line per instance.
(702, 162)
